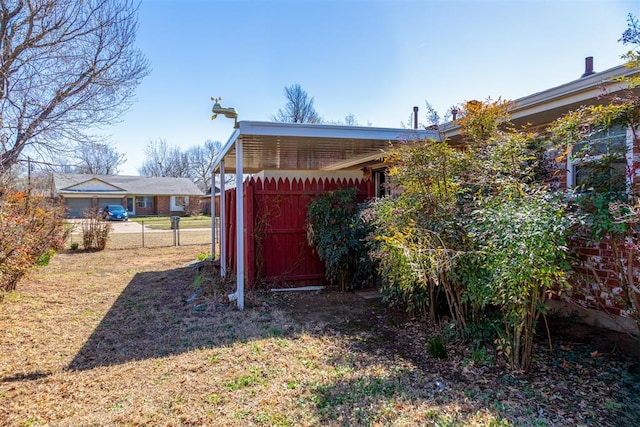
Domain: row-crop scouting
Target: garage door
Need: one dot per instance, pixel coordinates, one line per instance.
(102, 202)
(76, 207)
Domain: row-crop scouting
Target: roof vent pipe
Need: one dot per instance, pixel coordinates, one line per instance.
(415, 117)
(588, 66)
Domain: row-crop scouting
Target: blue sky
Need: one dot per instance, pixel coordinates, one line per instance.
(374, 59)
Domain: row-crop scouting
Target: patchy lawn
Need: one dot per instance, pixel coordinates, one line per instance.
(106, 338)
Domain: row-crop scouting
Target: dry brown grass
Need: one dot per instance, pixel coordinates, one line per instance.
(106, 338)
(153, 239)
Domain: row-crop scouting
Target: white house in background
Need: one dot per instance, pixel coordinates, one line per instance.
(139, 195)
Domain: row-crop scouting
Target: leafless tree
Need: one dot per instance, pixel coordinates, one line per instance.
(201, 160)
(164, 160)
(99, 159)
(299, 107)
(349, 120)
(66, 66)
(433, 118)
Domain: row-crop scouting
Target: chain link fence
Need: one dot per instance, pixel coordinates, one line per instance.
(130, 236)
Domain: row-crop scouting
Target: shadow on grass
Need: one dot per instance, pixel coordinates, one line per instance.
(151, 319)
(25, 377)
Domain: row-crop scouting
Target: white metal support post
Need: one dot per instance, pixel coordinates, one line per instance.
(213, 214)
(239, 226)
(223, 224)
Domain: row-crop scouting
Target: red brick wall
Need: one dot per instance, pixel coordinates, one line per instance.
(163, 205)
(596, 280)
(634, 171)
(194, 205)
(147, 211)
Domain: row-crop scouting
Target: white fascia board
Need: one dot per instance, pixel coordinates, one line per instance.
(230, 144)
(85, 194)
(575, 91)
(92, 179)
(303, 130)
(589, 86)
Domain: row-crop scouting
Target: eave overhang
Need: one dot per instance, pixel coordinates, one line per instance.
(296, 146)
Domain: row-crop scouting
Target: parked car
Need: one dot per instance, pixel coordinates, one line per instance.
(115, 213)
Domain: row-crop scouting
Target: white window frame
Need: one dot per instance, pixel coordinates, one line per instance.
(573, 164)
(380, 185)
(148, 202)
(175, 206)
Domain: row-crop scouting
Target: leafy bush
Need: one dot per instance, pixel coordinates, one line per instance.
(437, 347)
(471, 231)
(596, 216)
(522, 242)
(338, 233)
(400, 283)
(202, 256)
(30, 228)
(45, 258)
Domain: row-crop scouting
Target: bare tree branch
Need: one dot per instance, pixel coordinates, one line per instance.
(201, 163)
(164, 160)
(299, 107)
(98, 159)
(66, 66)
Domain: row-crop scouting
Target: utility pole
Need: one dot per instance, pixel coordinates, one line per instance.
(28, 175)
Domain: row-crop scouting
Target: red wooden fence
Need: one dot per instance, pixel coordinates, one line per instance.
(276, 248)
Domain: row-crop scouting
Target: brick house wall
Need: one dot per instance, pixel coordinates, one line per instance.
(598, 266)
(194, 206)
(162, 206)
(596, 280)
(147, 211)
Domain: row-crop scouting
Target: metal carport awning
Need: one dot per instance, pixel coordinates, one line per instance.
(257, 146)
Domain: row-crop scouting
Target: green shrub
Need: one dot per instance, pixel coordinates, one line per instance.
(471, 231)
(402, 284)
(522, 243)
(437, 347)
(45, 257)
(74, 246)
(421, 232)
(338, 233)
(202, 256)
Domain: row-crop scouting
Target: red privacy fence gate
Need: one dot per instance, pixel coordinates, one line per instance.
(276, 248)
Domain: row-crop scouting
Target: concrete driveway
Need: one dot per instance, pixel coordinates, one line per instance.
(129, 227)
(119, 227)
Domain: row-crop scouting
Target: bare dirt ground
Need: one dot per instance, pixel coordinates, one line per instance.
(112, 338)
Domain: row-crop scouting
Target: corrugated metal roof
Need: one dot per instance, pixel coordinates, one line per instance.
(298, 146)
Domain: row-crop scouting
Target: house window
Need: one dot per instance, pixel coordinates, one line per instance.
(379, 182)
(179, 203)
(144, 202)
(600, 163)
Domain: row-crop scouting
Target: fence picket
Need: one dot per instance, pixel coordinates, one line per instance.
(275, 215)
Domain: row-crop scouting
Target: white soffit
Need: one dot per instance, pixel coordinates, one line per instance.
(272, 145)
